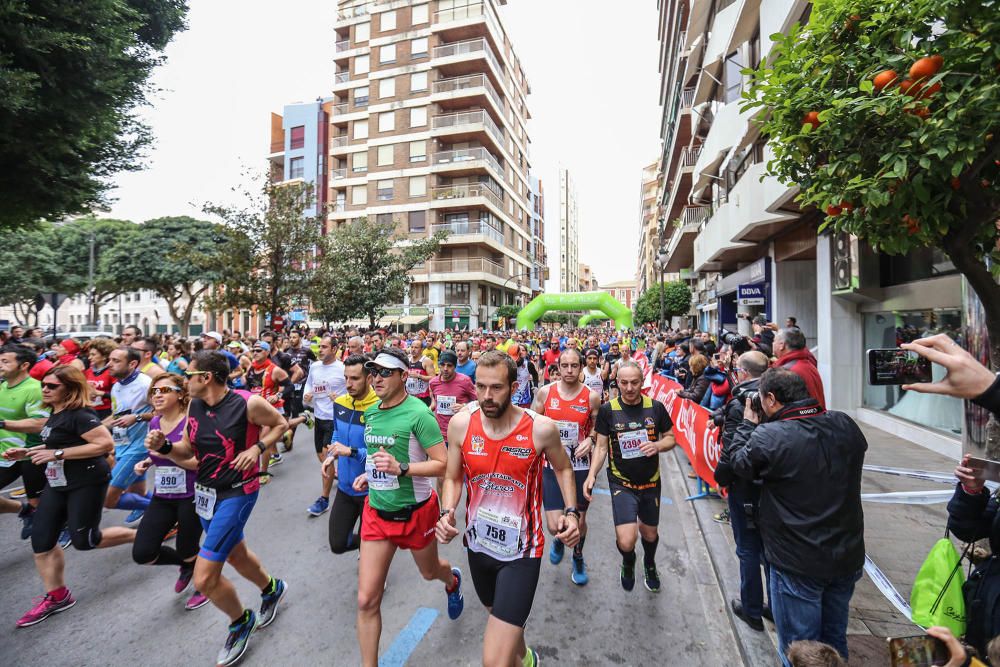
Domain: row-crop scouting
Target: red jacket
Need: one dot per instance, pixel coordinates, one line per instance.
(803, 364)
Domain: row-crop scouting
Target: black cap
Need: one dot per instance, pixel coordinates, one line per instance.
(448, 357)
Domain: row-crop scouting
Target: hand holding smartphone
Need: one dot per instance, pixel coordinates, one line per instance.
(917, 651)
(893, 366)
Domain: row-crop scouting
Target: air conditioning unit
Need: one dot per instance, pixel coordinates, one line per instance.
(855, 269)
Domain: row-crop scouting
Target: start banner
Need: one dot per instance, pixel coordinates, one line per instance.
(693, 428)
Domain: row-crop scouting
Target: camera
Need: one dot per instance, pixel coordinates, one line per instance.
(740, 344)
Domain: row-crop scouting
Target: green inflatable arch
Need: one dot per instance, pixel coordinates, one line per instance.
(596, 301)
(591, 316)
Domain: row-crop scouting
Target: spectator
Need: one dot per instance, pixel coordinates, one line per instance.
(763, 335)
(697, 384)
(44, 364)
(718, 394)
(790, 349)
(808, 462)
(791, 323)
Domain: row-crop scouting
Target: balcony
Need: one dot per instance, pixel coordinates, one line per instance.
(464, 191)
(470, 265)
(689, 156)
(278, 145)
(687, 97)
(342, 45)
(469, 83)
(337, 174)
(339, 143)
(478, 48)
(467, 159)
(458, 230)
(470, 12)
(468, 122)
(352, 13)
(340, 109)
(341, 77)
(695, 215)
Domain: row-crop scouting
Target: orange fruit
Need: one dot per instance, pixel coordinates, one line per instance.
(930, 91)
(833, 211)
(925, 68)
(904, 86)
(883, 79)
(812, 118)
(846, 206)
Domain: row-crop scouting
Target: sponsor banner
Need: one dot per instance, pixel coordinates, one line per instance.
(693, 428)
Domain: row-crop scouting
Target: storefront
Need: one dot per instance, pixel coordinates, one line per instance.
(747, 291)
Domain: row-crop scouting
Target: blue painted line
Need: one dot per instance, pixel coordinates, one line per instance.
(606, 492)
(406, 641)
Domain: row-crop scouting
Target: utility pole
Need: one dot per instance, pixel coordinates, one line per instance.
(90, 283)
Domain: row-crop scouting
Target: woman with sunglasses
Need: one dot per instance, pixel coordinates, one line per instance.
(74, 449)
(173, 492)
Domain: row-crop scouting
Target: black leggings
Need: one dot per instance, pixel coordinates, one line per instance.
(79, 508)
(345, 513)
(158, 519)
(33, 476)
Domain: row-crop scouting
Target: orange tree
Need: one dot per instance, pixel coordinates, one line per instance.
(886, 114)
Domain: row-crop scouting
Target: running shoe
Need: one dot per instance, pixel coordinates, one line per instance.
(627, 576)
(652, 580)
(579, 573)
(269, 602)
(45, 606)
(556, 552)
(721, 517)
(319, 507)
(276, 459)
(310, 419)
(27, 517)
(65, 539)
(237, 641)
(19, 492)
(265, 478)
(530, 658)
(196, 601)
(134, 516)
(456, 603)
(184, 579)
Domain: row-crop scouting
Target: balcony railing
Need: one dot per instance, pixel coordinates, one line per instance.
(471, 265)
(687, 97)
(479, 117)
(470, 46)
(689, 156)
(682, 42)
(352, 12)
(336, 174)
(341, 77)
(462, 190)
(339, 142)
(342, 45)
(339, 206)
(468, 155)
(278, 145)
(466, 83)
(340, 109)
(470, 11)
(693, 215)
(469, 229)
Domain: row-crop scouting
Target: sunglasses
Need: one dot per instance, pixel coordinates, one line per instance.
(384, 372)
(157, 391)
(193, 373)
(257, 349)
(51, 386)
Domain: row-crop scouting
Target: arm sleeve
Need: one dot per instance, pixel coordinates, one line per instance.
(970, 517)
(33, 407)
(85, 421)
(748, 456)
(308, 386)
(426, 428)
(990, 399)
(603, 425)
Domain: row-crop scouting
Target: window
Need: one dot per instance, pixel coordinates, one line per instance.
(359, 162)
(418, 116)
(418, 186)
(296, 167)
(386, 88)
(387, 54)
(418, 221)
(361, 129)
(387, 121)
(361, 96)
(383, 218)
(359, 195)
(456, 292)
(361, 65)
(384, 192)
(418, 81)
(298, 139)
(418, 293)
(733, 77)
(385, 158)
(418, 151)
(362, 32)
(387, 21)
(418, 48)
(419, 14)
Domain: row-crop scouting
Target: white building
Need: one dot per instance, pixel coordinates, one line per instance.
(569, 235)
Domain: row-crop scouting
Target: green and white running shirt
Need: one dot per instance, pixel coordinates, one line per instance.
(405, 431)
(22, 401)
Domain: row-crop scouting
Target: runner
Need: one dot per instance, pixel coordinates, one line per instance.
(574, 408)
(224, 432)
(129, 422)
(348, 452)
(611, 360)
(266, 379)
(500, 458)
(99, 376)
(421, 371)
(324, 384)
(173, 493)
(551, 356)
(593, 376)
(450, 392)
(405, 449)
(129, 334)
(148, 347)
(74, 449)
(466, 366)
(527, 375)
(635, 428)
(302, 358)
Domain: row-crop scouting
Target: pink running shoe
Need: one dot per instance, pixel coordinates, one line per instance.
(183, 579)
(45, 606)
(195, 601)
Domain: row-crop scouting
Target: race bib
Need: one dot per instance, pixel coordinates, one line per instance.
(416, 386)
(497, 532)
(445, 405)
(55, 473)
(170, 480)
(569, 434)
(631, 442)
(321, 389)
(120, 435)
(378, 480)
(204, 501)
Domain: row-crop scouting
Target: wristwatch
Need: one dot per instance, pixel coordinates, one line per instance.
(572, 511)
(3, 423)
(59, 454)
(404, 469)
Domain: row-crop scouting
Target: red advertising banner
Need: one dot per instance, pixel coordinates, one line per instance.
(693, 428)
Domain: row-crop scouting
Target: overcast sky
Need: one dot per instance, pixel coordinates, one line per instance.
(593, 73)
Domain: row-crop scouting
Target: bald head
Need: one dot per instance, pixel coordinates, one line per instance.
(754, 363)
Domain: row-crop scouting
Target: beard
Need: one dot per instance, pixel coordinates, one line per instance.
(495, 410)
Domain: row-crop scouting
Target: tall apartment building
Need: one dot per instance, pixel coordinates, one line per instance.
(540, 260)
(569, 235)
(647, 271)
(587, 281)
(749, 248)
(426, 127)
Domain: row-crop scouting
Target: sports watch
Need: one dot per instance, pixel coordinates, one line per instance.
(404, 469)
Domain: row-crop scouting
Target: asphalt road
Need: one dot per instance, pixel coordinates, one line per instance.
(127, 614)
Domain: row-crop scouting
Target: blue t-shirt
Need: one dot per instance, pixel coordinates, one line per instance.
(128, 396)
(468, 369)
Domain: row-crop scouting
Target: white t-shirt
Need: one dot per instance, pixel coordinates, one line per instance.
(321, 381)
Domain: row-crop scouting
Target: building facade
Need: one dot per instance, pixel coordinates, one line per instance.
(647, 267)
(626, 291)
(540, 260)
(569, 235)
(587, 281)
(425, 126)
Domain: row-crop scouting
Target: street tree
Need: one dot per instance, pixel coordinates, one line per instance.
(188, 256)
(72, 76)
(365, 267)
(676, 302)
(886, 116)
(271, 247)
(29, 266)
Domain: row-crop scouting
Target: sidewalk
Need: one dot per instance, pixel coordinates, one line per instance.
(897, 538)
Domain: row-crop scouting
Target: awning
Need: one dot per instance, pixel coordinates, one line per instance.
(413, 319)
(705, 307)
(388, 320)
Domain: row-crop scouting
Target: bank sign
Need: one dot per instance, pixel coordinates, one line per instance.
(752, 295)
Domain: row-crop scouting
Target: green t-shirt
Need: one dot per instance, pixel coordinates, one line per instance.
(405, 431)
(22, 401)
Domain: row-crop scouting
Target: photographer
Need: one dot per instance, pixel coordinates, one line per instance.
(743, 494)
(809, 464)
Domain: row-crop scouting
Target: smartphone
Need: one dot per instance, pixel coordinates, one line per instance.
(986, 469)
(896, 366)
(917, 651)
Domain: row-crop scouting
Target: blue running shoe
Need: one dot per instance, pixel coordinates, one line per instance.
(319, 507)
(134, 516)
(579, 574)
(627, 576)
(237, 641)
(269, 602)
(456, 603)
(556, 552)
(65, 539)
(27, 517)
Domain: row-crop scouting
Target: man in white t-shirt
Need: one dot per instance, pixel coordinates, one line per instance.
(323, 385)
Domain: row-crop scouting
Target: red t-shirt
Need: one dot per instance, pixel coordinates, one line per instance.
(458, 390)
(101, 382)
(550, 357)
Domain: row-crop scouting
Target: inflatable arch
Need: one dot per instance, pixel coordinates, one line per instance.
(592, 316)
(599, 301)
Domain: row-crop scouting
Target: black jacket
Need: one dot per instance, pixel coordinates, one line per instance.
(809, 462)
(733, 411)
(696, 389)
(990, 398)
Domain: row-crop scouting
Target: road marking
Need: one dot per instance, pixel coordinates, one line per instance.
(606, 492)
(408, 638)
